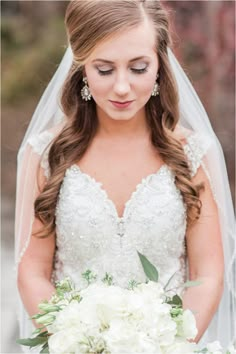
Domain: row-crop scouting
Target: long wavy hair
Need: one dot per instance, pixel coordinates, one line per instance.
(88, 23)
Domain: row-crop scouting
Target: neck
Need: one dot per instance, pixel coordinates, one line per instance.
(121, 128)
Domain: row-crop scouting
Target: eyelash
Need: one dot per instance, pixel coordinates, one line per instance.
(136, 71)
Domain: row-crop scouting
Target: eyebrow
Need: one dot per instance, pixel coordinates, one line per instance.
(111, 62)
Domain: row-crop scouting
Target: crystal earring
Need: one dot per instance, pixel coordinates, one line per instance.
(85, 92)
(156, 88)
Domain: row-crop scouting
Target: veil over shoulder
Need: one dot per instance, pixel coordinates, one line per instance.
(48, 120)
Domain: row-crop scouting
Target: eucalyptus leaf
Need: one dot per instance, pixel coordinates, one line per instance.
(38, 315)
(204, 350)
(43, 334)
(167, 284)
(45, 349)
(149, 269)
(37, 331)
(190, 283)
(32, 342)
(176, 301)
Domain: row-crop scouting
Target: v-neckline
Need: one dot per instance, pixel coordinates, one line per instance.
(138, 187)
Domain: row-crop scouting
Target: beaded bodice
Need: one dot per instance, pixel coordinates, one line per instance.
(91, 235)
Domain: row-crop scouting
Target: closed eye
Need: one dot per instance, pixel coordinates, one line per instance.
(139, 71)
(105, 72)
(136, 71)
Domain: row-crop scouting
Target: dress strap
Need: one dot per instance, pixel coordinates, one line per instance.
(195, 149)
(41, 144)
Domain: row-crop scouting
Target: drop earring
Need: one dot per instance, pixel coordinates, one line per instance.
(156, 88)
(85, 92)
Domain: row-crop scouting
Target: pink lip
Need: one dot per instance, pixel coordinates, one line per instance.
(121, 104)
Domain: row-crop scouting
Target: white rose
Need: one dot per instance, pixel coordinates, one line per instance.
(214, 348)
(186, 325)
(100, 304)
(159, 324)
(181, 347)
(122, 337)
(64, 342)
(66, 318)
(189, 325)
(151, 290)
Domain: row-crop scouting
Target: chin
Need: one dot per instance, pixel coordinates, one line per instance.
(121, 117)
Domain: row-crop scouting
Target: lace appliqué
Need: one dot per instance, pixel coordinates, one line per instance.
(195, 150)
(196, 147)
(41, 144)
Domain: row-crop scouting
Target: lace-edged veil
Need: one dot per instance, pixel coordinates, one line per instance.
(192, 116)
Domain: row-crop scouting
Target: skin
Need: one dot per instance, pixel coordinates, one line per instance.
(124, 79)
(123, 137)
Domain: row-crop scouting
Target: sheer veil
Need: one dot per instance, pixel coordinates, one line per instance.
(194, 117)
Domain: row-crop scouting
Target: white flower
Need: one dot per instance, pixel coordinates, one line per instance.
(181, 347)
(117, 320)
(214, 348)
(123, 338)
(66, 318)
(189, 325)
(186, 325)
(232, 349)
(100, 304)
(64, 342)
(161, 327)
(150, 290)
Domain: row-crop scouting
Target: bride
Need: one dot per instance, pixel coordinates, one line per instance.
(126, 161)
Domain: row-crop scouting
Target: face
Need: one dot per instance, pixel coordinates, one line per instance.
(123, 69)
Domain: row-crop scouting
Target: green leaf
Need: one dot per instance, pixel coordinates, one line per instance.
(89, 276)
(132, 284)
(176, 301)
(45, 349)
(190, 283)
(38, 315)
(32, 342)
(108, 279)
(176, 311)
(37, 331)
(149, 269)
(46, 319)
(46, 307)
(167, 284)
(43, 334)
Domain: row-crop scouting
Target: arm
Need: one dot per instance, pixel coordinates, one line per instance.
(205, 258)
(36, 265)
(35, 270)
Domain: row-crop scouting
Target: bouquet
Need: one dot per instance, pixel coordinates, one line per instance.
(105, 318)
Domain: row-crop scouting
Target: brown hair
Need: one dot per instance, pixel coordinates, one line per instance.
(88, 23)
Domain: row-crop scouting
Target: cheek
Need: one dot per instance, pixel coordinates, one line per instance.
(98, 85)
(145, 85)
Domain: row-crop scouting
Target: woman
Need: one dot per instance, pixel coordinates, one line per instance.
(122, 172)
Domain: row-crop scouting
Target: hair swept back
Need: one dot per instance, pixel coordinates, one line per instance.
(88, 23)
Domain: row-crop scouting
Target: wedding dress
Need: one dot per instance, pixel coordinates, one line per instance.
(91, 235)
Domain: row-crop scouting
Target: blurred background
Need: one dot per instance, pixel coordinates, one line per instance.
(33, 42)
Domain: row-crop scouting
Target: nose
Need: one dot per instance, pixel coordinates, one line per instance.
(122, 85)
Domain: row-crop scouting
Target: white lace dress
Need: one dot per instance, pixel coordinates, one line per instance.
(90, 235)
